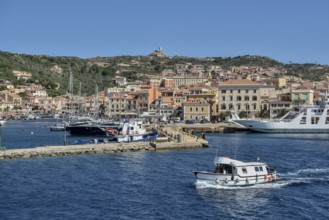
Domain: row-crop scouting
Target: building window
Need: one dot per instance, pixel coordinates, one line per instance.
(254, 98)
(247, 107)
(223, 107)
(223, 91)
(238, 98)
(305, 96)
(231, 91)
(196, 109)
(254, 106)
(246, 98)
(190, 109)
(223, 98)
(244, 170)
(202, 109)
(247, 90)
(254, 90)
(231, 98)
(239, 91)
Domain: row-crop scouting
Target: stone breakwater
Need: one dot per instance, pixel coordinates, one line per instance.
(53, 151)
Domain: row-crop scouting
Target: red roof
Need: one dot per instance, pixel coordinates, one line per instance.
(239, 82)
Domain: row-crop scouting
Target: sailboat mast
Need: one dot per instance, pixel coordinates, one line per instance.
(79, 99)
(96, 102)
(71, 97)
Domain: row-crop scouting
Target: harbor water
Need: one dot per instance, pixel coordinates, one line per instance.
(161, 184)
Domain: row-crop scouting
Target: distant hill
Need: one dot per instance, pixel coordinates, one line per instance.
(53, 72)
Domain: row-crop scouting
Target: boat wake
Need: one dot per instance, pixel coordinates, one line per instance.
(304, 176)
(313, 171)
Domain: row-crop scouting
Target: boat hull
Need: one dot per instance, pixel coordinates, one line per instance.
(86, 130)
(232, 181)
(282, 127)
(136, 137)
(57, 128)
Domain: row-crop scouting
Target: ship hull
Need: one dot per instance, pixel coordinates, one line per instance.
(282, 127)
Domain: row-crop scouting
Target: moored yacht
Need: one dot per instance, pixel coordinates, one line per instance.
(132, 131)
(92, 128)
(230, 172)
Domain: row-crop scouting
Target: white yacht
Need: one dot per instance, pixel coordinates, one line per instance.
(230, 172)
(134, 131)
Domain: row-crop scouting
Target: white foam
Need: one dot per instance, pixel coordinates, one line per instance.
(306, 171)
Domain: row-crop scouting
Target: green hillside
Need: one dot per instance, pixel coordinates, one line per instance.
(53, 72)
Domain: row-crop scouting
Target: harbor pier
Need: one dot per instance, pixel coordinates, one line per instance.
(173, 139)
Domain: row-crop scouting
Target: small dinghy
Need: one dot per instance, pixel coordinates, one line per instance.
(230, 172)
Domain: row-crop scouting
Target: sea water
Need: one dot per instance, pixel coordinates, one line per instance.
(161, 184)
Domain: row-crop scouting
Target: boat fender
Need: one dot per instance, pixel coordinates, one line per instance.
(269, 178)
(217, 181)
(237, 180)
(226, 180)
(247, 181)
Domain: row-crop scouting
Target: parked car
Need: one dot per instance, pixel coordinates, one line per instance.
(175, 119)
(189, 122)
(204, 121)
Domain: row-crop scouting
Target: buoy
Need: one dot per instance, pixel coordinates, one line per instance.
(31, 132)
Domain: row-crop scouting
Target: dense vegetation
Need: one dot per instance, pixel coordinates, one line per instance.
(53, 72)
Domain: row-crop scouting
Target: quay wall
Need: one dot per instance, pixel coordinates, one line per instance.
(53, 151)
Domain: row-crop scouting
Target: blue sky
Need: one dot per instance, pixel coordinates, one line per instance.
(285, 30)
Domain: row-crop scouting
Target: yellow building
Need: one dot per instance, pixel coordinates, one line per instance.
(300, 97)
(196, 111)
(240, 95)
(188, 80)
(201, 95)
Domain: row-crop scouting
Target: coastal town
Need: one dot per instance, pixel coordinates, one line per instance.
(191, 93)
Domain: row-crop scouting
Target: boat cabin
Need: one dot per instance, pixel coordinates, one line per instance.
(226, 165)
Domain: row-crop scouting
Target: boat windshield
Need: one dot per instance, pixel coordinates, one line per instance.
(270, 170)
(223, 168)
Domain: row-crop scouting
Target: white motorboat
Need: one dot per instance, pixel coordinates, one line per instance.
(134, 131)
(2, 122)
(230, 172)
(58, 127)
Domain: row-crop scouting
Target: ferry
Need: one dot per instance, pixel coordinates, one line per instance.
(310, 119)
(230, 172)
